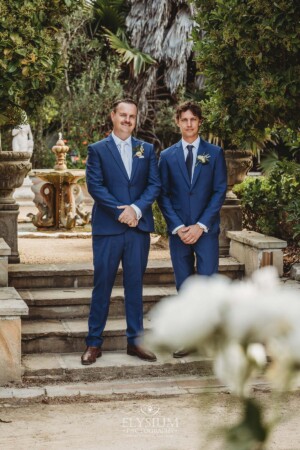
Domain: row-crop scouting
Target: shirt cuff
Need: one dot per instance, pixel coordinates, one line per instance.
(177, 228)
(137, 211)
(204, 227)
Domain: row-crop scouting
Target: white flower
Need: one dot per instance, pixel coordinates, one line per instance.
(203, 159)
(232, 368)
(256, 353)
(192, 316)
(234, 322)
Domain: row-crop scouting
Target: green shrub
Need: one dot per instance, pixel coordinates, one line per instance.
(271, 204)
(159, 221)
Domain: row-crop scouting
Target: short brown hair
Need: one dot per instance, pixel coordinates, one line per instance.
(188, 106)
(123, 100)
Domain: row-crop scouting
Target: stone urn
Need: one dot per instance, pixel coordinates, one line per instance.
(238, 163)
(14, 166)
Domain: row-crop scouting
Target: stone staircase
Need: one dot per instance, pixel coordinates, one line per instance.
(53, 333)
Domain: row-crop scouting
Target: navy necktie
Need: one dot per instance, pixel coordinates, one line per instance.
(189, 160)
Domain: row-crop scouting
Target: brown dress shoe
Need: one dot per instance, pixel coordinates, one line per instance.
(140, 352)
(90, 355)
(182, 352)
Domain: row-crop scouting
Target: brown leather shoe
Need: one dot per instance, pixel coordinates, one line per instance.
(182, 352)
(90, 355)
(140, 352)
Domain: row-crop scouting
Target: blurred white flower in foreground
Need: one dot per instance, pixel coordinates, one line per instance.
(234, 321)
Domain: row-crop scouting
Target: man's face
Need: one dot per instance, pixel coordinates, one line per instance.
(189, 125)
(124, 119)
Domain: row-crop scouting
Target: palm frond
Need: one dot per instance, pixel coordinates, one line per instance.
(269, 160)
(131, 56)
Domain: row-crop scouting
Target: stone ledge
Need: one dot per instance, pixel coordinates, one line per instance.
(4, 248)
(256, 240)
(11, 304)
(295, 272)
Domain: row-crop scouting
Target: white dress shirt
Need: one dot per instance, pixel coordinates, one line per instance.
(125, 149)
(195, 145)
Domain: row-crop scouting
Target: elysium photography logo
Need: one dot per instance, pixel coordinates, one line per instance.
(149, 421)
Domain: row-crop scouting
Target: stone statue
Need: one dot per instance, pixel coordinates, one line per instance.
(22, 139)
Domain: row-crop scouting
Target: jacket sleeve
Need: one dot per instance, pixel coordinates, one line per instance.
(96, 187)
(164, 202)
(219, 192)
(153, 186)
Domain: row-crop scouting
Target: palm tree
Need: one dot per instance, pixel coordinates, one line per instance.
(162, 29)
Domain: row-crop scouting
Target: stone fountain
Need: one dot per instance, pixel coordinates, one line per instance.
(58, 194)
(14, 166)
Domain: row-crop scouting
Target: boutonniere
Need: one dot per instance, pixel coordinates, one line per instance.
(202, 159)
(138, 151)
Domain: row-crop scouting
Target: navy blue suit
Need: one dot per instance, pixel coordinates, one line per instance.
(183, 202)
(113, 241)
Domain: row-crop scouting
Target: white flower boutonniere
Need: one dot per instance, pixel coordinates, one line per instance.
(138, 151)
(202, 159)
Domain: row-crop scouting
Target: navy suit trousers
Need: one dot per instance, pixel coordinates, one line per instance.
(132, 249)
(206, 251)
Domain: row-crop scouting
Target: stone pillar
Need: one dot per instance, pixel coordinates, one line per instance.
(9, 229)
(231, 219)
(4, 254)
(11, 308)
(256, 250)
(238, 164)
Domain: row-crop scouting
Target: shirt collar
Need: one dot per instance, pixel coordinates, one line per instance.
(195, 143)
(118, 140)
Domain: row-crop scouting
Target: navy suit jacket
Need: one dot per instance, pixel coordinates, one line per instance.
(110, 186)
(183, 202)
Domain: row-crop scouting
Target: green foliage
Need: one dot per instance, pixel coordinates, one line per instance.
(164, 126)
(29, 53)
(271, 204)
(111, 15)
(131, 56)
(159, 221)
(249, 54)
(81, 102)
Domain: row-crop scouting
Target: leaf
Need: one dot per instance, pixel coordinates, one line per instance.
(12, 68)
(25, 71)
(130, 55)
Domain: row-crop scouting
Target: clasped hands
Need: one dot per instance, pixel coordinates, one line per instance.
(190, 234)
(128, 216)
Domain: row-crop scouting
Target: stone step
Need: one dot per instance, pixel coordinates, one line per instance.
(31, 276)
(66, 336)
(48, 368)
(75, 303)
(74, 275)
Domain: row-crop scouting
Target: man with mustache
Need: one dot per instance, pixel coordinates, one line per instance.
(122, 177)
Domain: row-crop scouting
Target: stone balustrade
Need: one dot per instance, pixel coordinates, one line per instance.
(12, 307)
(256, 250)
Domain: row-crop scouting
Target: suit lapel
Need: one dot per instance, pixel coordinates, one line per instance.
(181, 162)
(116, 154)
(198, 166)
(135, 159)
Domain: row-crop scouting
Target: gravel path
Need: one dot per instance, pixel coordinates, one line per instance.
(50, 250)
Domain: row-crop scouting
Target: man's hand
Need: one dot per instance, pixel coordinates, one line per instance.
(128, 216)
(190, 234)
